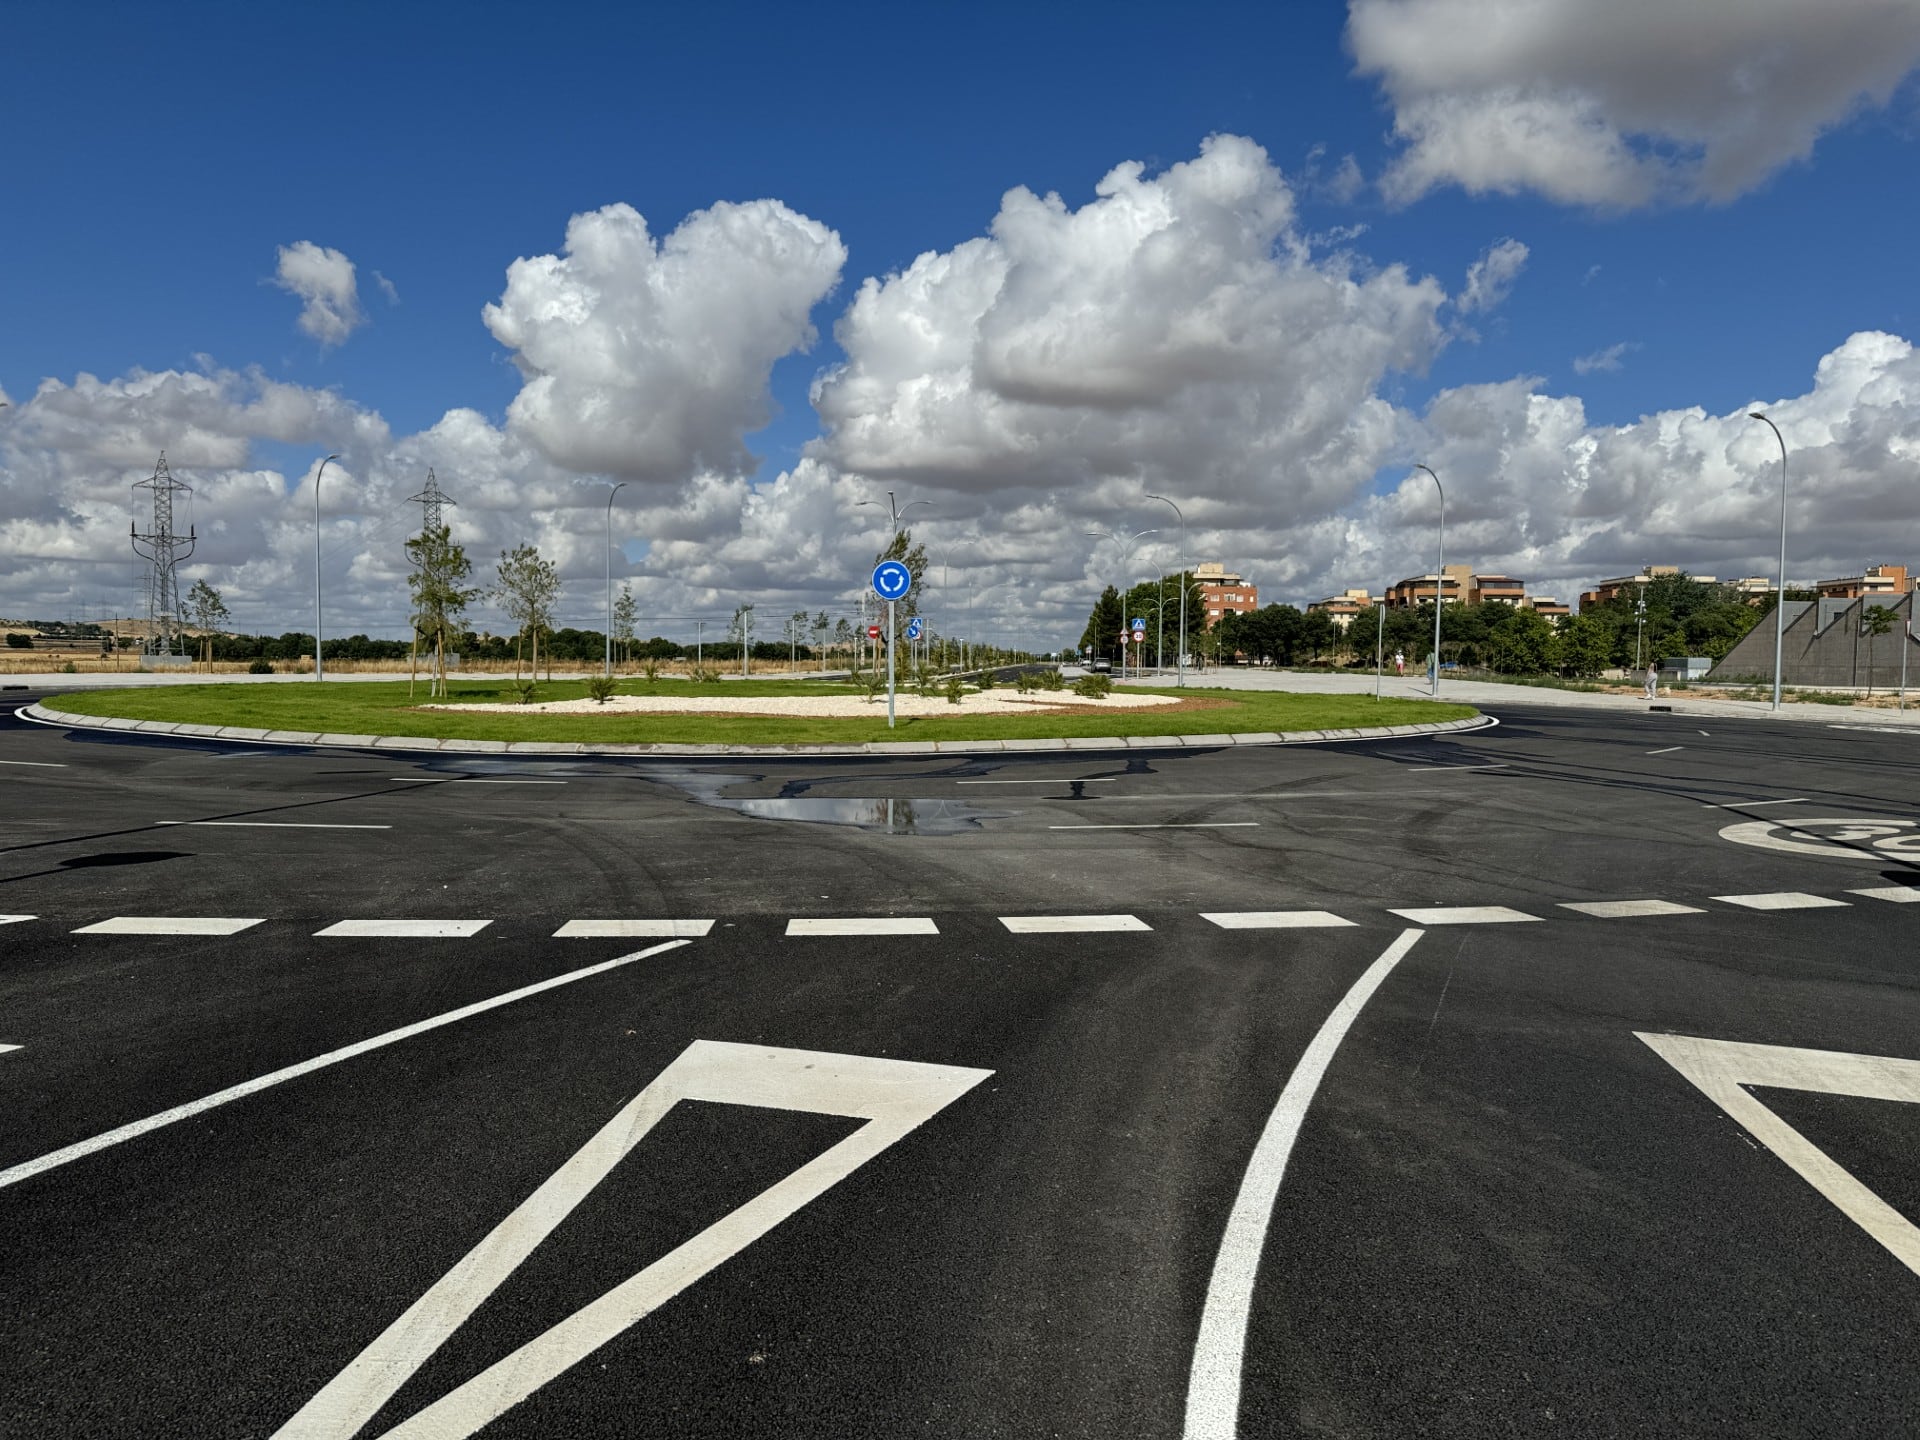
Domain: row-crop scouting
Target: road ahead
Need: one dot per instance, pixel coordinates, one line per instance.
(1555, 1078)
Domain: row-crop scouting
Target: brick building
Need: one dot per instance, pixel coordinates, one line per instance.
(1223, 592)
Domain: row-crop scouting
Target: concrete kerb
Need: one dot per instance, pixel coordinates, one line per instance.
(306, 739)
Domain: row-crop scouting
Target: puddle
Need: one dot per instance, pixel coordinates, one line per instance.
(891, 817)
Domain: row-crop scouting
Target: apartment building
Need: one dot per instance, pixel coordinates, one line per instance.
(1222, 592)
(1344, 607)
(1877, 582)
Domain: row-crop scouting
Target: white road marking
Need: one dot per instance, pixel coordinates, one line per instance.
(632, 929)
(38, 764)
(9, 1049)
(894, 1097)
(1465, 915)
(1783, 900)
(1668, 751)
(1213, 1384)
(1088, 780)
(1062, 924)
(1750, 804)
(1430, 768)
(167, 925)
(56, 1158)
(1704, 733)
(16, 919)
(269, 825)
(1722, 1069)
(406, 929)
(1272, 919)
(1797, 837)
(474, 780)
(1195, 825)
(420, 779)
(1899, 894)
(1621, 909)
(865, 925)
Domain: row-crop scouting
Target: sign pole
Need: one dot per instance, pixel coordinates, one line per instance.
(890, 664)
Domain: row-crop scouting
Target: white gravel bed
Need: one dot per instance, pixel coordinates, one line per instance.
(986, 702)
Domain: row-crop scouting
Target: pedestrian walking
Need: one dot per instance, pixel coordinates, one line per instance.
(1653, 681)
(1400, 662)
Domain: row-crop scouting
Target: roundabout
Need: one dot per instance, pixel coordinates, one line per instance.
(737, 717)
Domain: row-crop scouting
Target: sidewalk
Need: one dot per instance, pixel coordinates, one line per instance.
(1492, 696)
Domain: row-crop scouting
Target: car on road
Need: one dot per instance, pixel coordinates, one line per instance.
(1102, 667)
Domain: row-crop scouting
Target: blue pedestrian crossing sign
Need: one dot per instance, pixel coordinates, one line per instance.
(892, 580)
(913, 628)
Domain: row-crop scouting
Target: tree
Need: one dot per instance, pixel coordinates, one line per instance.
(1875, 621)
(740, 631)
(1102, 635)
(914, 557)
(1521, 642)
(208, 611)
(527, 590)
(821, 626)
(439, 598)
(1317, 631)
(625, 615)
(1586, 646)
(843, 635)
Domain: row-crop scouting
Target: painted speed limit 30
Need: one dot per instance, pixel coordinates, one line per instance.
(1865, 838)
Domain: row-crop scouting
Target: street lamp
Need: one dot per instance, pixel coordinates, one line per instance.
(1639, 625)
(1780, 605)
(319, 666)
(607, 666)
(1180, 656)
(1439, 576)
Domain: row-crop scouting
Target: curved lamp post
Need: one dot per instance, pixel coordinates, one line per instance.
(1180, 655)
(319, 666)
(607, 666)
(1780, 605)
(1439, 576)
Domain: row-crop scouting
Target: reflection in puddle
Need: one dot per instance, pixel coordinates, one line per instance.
(894, 817)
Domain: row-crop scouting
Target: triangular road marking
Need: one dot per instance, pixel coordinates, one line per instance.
(1722, 1069)
(894, 1097)
(16, 919)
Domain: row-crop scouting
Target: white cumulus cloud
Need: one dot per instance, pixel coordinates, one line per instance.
(1490, 279)
(324, 280)
(650, 359)
(1626, 102)
(1609, 359)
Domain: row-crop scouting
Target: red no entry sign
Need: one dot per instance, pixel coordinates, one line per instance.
(873, 632)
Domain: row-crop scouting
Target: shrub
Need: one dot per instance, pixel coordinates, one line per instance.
(600, 687)
(260, 667)
(17, 641)
(650, 668)
(1050, 680)
(69, 668)
(1023, 682)
(872, 681)
(524, 691)
(1094, 687)
(954, 689)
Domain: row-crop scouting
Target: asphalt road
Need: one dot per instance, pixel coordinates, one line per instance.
(989, 1176)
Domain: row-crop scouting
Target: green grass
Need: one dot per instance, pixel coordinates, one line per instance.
(375, 708)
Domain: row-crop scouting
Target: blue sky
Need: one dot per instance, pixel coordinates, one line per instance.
(159, 157)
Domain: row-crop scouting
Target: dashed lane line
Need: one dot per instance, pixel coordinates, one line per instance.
(1064, 924)
(1273, 919)
(633, 929)
(1191, 825)
(38, 764)
(1466, 915)
(168, 925)
(1898, 894)
(1219, 1350)
(1783, 900)
(269, 825)
(67, 1154)
(864, 925)
(1667, 751)
(1622, 909)
(476, 780)
(1753, 804)
(406, 929)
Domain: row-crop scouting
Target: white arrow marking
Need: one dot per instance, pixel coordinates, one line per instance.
(894, 1097)
(1723, 1068)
